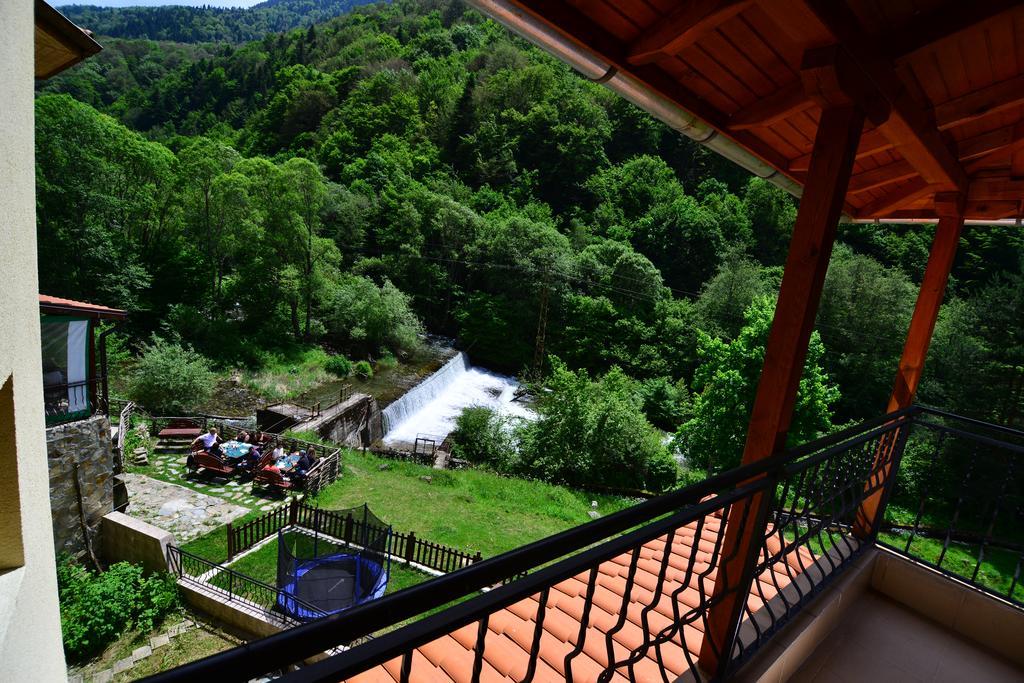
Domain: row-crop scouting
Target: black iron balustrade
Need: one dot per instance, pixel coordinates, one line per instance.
(808, 498)
(229, 583)
(958, 504)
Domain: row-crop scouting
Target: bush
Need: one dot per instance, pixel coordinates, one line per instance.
(369, 319)
(339, 366)
(363, 370)
(170, 379)
(593, 433)
(387, 362)
(96, 608)
(483, 436)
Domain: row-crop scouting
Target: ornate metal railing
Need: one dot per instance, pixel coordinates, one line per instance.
(681, 570)
(229, 584)
(958, 502)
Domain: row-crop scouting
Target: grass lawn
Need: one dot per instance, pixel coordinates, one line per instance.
(471, 510)
(262, 564)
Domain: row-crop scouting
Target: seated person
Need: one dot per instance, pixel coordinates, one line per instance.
(277, 454)
(306, 461)
(211, 441)
(243, 437)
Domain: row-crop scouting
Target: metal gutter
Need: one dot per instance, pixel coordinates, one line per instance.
(600, 71)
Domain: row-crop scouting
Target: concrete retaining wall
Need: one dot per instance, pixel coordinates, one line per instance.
(80, 449)
(248, 617)
(126, 539)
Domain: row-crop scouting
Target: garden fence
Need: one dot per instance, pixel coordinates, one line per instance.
(348, 528)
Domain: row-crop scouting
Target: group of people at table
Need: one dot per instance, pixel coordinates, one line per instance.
(245, 451)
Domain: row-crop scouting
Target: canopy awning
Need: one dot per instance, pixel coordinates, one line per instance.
(941, 79)
(59, 42)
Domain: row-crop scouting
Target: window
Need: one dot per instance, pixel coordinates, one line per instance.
(66, 387)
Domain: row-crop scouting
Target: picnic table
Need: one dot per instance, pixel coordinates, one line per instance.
(235, 449)
(286, 462)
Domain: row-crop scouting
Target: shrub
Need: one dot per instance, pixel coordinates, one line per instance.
(170, 379)
(96, 608)
(483, 436)
(363, 370)
(366, 318)
(387, 362)
(339, 366)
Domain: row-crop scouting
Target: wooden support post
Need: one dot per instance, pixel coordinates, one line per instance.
(810, 248)
(933, 287)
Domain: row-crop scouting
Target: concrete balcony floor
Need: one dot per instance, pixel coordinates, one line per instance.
(880, 640)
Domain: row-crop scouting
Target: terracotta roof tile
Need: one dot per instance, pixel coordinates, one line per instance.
(511, 631)
(56, 304)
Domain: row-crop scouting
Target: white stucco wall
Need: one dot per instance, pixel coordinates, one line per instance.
(30, 644)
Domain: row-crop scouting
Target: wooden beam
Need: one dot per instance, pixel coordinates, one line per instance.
(981, 102)
(766, 111)
(809, 251)
(1007, 138)
(996, 189)
(881, 176)
(946, 21)
(885, 205)
(922, 325)
(871, 142)
(683, 27)
(910, 127)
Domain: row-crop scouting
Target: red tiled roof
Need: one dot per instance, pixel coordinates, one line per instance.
(55, 304)
(510, 632)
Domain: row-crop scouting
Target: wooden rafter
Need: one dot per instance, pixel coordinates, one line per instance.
(1006, 139)
(881, 176)
(952, 18)
(996, 189)
(897, 199)
(683, 27)
(981, 102)
(909, 127)
(772, 109)
(871, 142)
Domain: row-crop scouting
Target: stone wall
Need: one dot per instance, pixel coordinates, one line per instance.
(358, 424)
(127, 539)
(83, 449)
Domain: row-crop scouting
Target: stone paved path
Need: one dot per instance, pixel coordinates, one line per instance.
(184, 512)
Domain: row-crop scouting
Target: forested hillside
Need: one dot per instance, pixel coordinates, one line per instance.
(411, 166)
(206, 24)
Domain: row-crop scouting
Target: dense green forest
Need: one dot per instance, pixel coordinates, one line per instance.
(206, 24)
(412, 167)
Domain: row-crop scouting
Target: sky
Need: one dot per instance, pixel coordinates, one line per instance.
(157, 3)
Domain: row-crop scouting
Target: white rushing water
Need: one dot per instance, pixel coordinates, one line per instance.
(431, 407)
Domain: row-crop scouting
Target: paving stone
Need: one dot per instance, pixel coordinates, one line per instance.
(104, 676)
(183, 511)
(75, 678)
(157, 642)
(141, 653)
(123, 665)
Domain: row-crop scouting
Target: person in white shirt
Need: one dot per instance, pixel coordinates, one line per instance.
(211, 441)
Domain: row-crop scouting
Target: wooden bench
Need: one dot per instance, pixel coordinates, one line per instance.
(266, 478)
(202, 460)
(181, 429)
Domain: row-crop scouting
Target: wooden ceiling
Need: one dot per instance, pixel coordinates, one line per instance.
(947, 75)
(59, 43)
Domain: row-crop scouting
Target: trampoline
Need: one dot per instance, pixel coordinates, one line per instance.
(329, 576)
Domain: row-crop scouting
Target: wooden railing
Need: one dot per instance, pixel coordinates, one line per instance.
(348, 528)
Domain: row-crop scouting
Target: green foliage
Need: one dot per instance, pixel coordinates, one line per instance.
(170, 379)
(363, 370)
(593, 433)
(725, 385)
(665, 403)
(339, 366)
(96, 608)
(371, 318)
(484, 437)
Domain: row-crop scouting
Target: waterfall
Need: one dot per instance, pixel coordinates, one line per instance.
(423, 393)
(433, 406)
